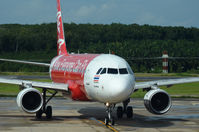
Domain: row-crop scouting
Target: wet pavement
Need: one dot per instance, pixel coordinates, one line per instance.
(70, 115)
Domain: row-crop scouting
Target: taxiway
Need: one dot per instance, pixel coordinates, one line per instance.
(73, 116)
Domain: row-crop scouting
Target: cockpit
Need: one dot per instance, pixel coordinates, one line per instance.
(114, 71)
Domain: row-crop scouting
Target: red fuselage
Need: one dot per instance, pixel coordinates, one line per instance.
(70, 69)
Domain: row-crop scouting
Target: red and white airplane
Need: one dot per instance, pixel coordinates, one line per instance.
(104, 78)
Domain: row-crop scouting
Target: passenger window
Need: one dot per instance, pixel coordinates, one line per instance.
(123, 71)
(99, 71)
(112, 71)
(103, 71)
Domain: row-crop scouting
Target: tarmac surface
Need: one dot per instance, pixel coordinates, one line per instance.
(72, 116)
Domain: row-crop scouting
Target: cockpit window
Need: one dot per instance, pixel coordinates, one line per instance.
(130, 71)
(103, 71)
(99, 71)
(112, 71)
(123, 71)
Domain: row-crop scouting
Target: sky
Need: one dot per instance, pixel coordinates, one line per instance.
(152, 12)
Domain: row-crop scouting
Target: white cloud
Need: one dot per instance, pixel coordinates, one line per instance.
(85, 11)
(105, 6)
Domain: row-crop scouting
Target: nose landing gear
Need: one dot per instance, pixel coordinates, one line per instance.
(128, 110)
(109, 119)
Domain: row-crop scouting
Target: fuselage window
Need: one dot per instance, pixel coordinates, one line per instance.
(99, 71)
(103, 71)
(112, 71)
(123, 71)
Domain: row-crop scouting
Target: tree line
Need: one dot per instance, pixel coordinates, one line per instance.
(38, 43)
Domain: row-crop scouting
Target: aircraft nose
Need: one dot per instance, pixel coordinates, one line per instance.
(120, 88)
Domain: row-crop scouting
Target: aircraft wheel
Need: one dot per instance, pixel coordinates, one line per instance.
(39, 114)
(106, 121)
(119, 112)
(112, 121)
(49, 112)
(129, 112)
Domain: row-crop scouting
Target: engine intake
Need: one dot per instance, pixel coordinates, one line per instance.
(30, 100)
(157, 101)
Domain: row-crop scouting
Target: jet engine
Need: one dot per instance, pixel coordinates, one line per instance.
(157, 101)
(30, 100)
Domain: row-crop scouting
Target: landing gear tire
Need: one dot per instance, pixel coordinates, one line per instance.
(49, 112)
(39, 114)
(106, 121)
(119, 112)
(129, 112)
(112, 121)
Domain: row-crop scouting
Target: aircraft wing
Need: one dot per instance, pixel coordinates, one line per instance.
(166, 82)
(47, 85)
(26, 62)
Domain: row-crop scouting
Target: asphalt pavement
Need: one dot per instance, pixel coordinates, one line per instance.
(77, 116)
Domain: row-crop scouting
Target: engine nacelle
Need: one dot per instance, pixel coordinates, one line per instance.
(30, 100)
(157, 101)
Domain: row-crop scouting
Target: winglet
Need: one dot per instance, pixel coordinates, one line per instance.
(61, 43)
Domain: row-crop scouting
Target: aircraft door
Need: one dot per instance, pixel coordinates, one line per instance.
(89, 83)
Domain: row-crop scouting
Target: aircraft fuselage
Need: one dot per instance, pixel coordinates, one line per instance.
(100, 77)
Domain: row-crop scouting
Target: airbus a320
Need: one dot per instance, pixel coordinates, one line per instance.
(104, 78)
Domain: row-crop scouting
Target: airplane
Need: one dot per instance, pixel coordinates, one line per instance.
(104, 78)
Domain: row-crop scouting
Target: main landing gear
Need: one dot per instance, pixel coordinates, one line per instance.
(46, 109)
(128, 110)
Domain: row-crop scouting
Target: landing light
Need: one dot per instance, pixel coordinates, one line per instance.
(107, 104)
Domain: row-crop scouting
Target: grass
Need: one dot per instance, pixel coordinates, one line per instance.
(167, 75)
(13, 90)
(25, 73)
(8, 89)
(136, 74)
(180, 90)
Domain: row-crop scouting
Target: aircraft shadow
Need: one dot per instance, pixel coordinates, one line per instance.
(99, 113)
(138, 120)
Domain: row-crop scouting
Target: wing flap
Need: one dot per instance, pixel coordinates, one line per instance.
(166, 82)
(47, 85)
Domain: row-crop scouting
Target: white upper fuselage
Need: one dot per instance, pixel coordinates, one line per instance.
(109, 79)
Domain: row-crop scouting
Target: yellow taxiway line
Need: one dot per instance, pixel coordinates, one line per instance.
(110, 127)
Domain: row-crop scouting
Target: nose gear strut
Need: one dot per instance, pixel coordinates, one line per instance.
(109, 118)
